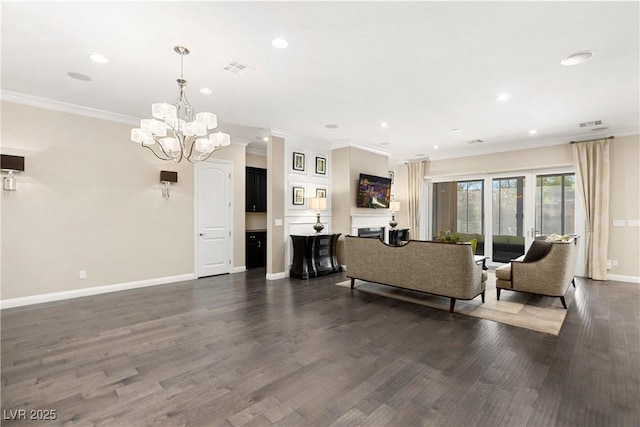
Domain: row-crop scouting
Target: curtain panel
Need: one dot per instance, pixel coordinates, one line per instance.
(416, 173)
(591, 159)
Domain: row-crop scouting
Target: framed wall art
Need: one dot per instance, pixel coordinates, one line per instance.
(298, 161)
(321, 193)
(298, 196)
(321, 165)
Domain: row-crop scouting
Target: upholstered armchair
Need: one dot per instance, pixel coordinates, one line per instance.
(546, 269)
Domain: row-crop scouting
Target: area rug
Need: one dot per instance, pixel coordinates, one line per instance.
(535, 312)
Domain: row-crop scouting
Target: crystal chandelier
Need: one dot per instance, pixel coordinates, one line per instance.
(175, 132)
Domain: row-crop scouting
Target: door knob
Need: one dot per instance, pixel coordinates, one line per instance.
(201, 234)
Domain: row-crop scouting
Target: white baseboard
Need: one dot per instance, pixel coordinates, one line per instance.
(240, 269)
(275, 276)
(620, 278)
(84, 292)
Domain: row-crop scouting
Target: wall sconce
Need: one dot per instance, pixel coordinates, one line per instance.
(167, 177)
(11, 164)
(395, 207)
(319, 204)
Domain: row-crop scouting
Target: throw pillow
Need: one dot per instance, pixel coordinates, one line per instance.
(538, 250)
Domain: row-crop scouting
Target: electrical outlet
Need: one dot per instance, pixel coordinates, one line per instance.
(614, 262)
(278, 223)
(608, 264)
(82, 274)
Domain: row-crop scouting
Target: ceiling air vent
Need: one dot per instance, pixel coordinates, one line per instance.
(238, 68)
(593, 123)
(474, 141)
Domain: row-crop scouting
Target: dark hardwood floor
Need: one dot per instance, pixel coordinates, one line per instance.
(237, 350)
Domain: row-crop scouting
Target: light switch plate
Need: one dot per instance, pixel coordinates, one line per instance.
(278, 223)
(634, 223)
(618, 223)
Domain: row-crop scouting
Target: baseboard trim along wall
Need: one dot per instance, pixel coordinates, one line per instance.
(84, 292)
(620, 278)
(275, 276)
(241, 269)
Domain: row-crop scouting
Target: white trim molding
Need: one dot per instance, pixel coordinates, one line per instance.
(621, 278)
(85, 292)
(51, 104)
(275, 276)
(241, 269)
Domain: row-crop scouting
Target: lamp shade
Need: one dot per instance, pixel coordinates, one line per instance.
(318, 203)
(394, 206)
(11, 163)
(168, 176)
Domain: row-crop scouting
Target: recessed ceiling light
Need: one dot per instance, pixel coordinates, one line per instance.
(419, 155)
(503, 97)
(331, 126)
(384, 143)
(279, 43)
(436, 147)
(578, 58)
(79, 76)
(205, 91)
(383, 125)
(533, 132)
(455, 130)
(100, 59)
(265, 138)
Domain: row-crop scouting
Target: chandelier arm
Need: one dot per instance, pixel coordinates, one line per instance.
(207, 157)
(193, 143)
(162, 148)
(155, 154)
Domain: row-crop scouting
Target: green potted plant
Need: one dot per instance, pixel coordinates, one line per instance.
(448, 236)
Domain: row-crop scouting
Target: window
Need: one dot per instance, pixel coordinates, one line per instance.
(555, 204)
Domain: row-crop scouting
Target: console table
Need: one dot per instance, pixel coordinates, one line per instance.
(314, 255)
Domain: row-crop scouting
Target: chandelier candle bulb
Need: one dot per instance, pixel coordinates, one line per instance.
(173, 132)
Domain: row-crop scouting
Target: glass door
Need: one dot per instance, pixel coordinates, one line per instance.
(458, 209)
(508, 239)
(555, 205)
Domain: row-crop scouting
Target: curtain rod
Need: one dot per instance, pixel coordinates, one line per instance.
(577, 142)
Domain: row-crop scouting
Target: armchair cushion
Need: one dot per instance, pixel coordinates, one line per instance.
(504, 272)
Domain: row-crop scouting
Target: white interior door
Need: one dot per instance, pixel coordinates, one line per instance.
(214, 218)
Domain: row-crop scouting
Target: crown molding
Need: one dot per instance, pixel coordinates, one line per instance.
(51, 104)
(371, 149)
(258, 151)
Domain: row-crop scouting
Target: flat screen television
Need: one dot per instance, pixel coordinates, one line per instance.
(373, 191)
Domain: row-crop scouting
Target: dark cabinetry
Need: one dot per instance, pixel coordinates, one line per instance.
(256, 190)
(256, 249)
(398, 235)
(314, 255)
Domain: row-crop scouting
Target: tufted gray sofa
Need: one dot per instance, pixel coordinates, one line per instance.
(443, 269)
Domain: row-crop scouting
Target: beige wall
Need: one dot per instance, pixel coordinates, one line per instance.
(348, 164)
(89, 199)
(256, 220)
(275, 205)
(341, 190)
(624, 202)
(624, 242)
(256, 161)
(400, 192)
(534, 158)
